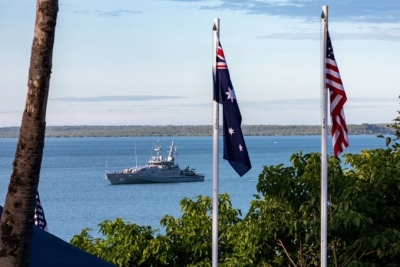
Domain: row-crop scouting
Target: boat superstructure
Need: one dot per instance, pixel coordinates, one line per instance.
(158, 170)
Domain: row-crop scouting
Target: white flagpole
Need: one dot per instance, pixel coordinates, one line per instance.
(215, 156)
(324, 154)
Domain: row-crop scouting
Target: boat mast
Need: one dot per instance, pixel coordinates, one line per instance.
(158, 149)
(106, 170)
(135, 155)
(171, 152)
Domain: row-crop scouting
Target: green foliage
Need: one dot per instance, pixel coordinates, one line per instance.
(378, 197)
(395, 127)
(282, 226)
(363, 210)
(191, 235)
(122, 244)
(187, 241)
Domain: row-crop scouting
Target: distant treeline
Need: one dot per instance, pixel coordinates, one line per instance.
(193, 130)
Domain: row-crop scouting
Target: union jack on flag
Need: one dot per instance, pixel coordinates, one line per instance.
(337, 100)
(235, 150)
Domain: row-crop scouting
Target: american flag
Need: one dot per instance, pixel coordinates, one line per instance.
(337, 100)
(235, 150)
(40, 220)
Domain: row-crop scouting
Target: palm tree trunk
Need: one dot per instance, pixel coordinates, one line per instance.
(17, 219)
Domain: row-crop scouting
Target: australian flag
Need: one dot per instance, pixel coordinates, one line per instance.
(39, 219)
(235, 150)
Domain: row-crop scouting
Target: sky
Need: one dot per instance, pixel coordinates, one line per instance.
(149, 62)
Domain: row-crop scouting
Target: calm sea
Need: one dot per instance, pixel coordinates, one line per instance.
(75, 194)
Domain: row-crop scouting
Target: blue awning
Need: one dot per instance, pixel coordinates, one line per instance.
(49, 251)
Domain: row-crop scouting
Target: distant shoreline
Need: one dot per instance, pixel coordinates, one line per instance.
(193, 130)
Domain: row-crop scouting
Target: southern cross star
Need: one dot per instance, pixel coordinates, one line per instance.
(231, 94)
(231, 131)
(240, 148)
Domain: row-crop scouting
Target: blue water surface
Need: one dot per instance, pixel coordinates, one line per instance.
(75, 194)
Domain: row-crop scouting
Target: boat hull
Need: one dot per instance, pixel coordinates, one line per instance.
(158, 170)
(128, 178)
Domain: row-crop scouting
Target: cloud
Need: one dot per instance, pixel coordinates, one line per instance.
(317, 101)
(117, 13)
(127, 98)
(110, 13)
(292, 36)
(11, 111)
(374, 99)
(370, 11)
(82, 12)
(392, 34)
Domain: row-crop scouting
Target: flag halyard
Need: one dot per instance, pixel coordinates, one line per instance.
(235, 150)
(337, 100)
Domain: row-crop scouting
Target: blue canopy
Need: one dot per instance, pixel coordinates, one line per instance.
(49, 251)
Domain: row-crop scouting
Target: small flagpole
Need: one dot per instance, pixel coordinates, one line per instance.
(324, 154)
(215, 155)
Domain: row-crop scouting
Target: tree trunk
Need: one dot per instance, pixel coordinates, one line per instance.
(17, 219)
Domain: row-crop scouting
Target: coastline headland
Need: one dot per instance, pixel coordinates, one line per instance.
(192, 130)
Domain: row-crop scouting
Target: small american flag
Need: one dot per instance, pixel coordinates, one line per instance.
(40, 220)
(337, 100)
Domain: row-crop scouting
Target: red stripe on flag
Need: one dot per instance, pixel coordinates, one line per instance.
(337, 100)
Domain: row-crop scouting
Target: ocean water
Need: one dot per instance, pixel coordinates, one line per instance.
(75, 194)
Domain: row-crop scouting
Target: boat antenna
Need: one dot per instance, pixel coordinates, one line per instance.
(135, 155)
(106, 170)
